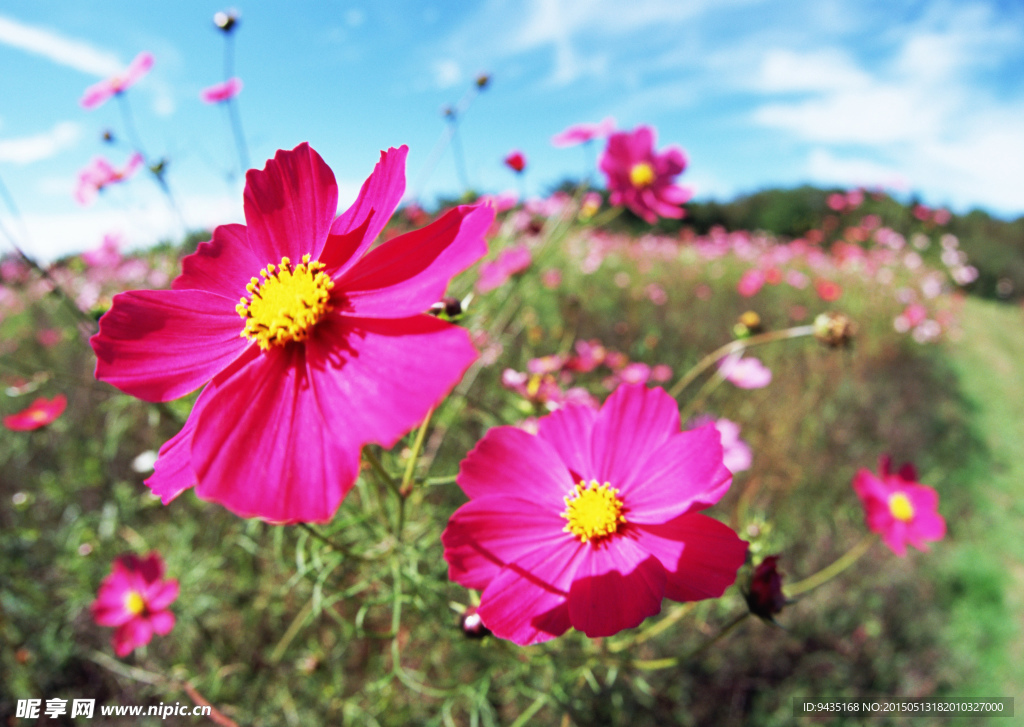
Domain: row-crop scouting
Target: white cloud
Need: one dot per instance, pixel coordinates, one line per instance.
(66, 51)
(447, 73)
(28, 149)
(853, 171)
(824, 70)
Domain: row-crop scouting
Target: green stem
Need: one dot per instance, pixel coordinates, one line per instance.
(449, 480)
(657, 628)
(333, 544)
(734, 347)
(603, 218)
(655, 664)
(829, 572)
(379, 469)
(410, 468)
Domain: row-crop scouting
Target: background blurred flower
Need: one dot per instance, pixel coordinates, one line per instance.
(516, 161)
(641, 178)
(97, 94)
(101, 173)
(582, 133)
(135, 598)
(496, 273)
(746, 373)
(40, 412)
(223, 91)
(898, 507)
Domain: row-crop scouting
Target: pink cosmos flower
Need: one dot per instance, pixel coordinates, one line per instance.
(582, 133)
(40, 412)
(898, 507)
(641, 178)
(309, 345)
(593, 521)
(134, 598)
(219, 92)
(827, 290)
(751, 282)
(516, 161)
(97, 94)
(496, 273)
(107, 255)
(746, 373)
(736, 453)
(100, 173)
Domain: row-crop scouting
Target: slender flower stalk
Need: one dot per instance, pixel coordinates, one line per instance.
(831, 571)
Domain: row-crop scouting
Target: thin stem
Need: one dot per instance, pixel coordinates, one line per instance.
(460, 161)
(448, 480)
(236, 130)
(668, 663)
(333, 544)
(829, 572)
(410, 467)
(607, 216)
(710, 385)
(734, 347)
(652, 631)
(129, 125)
(379, 469)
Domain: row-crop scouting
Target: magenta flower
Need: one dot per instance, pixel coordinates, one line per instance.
(97, 94)
(496, 273)
(107, 255)
(898, 507)
(582, 133)
(516, 161)
(310, 344)
(643, 179)
(100, 174)
(751, 282)
(746, 373)
(134, 598)
(39, 413)
(219, 92)
(593, 521)
(736, 453)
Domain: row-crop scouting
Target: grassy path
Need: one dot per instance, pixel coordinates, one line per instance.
(989, 365)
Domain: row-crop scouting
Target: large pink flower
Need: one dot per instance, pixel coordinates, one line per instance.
(643, 179)
(134, 598)
(898, 507)
(98, 93)
(591, 522)
(312, 346)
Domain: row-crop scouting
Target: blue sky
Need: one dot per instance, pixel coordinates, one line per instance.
(917, 96)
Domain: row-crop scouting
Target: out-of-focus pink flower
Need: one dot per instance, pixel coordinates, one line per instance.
(942, 216)
(582, 133)
(922, 213)
(223, 91)
(98, 93)
(593, 521)
(642, 179)
(100, 173)
(827, 290)
(107, 255)
(135, 598)
(736, 453)
(516, 161)
(496, 273)
(898, 507)
(327, 350)
(635, 373)
(545, 364)
(501, 202)
(591, 204)
(656, 294)
(836, 202)
(589, 355)
(854, 199)
(661, 373)
(551, 278)
(49, 337)
(797, 279)
(751, 282)
(746, 373)
(915, 313)
(39, 413)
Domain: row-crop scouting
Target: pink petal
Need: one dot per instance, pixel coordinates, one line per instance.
(927, 526)
(700, 555)
(485, 535)
(161, 595)
(139, 67)
(356, 228)
(380, 376)
(224, 265)
(289, 206)
(408, 274)
(172, 472)
(135, 633)
(108, 609)
(269, 443)
(509, 462)
(96, 94)
(526, 603)
(685, 473)
(569, 430)
(632, 425)
(162, 622)
(150, 568)
(159, 345)
(616, 587)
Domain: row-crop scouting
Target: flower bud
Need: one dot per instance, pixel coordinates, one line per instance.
(482, 80)
(226, 20)
(834, 329)
(448, 306)
(764, 594)
(472, 625)
(747, 325)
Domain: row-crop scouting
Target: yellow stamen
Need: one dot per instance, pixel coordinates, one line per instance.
(900, 507)
(594, 511)
(641, 175)
(286, 304)
(133, 603)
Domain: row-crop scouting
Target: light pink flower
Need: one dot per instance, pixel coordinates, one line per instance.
(898, 507)
(642, 179)
(501, 202)
(751, 282)
(223, 91)
(107, 255)
(39, 413)
(135, 598)
(496, 273)
(593, 521)
(582, 133)
(309, 344)
(100, 174)
(98, 93)
(737, 454)
(746, 373)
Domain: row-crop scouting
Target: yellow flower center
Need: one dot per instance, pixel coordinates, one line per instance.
(38, 415)
(133, 603)
(286, 304)
(593, 511)
(900, 507)
(641, 174)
